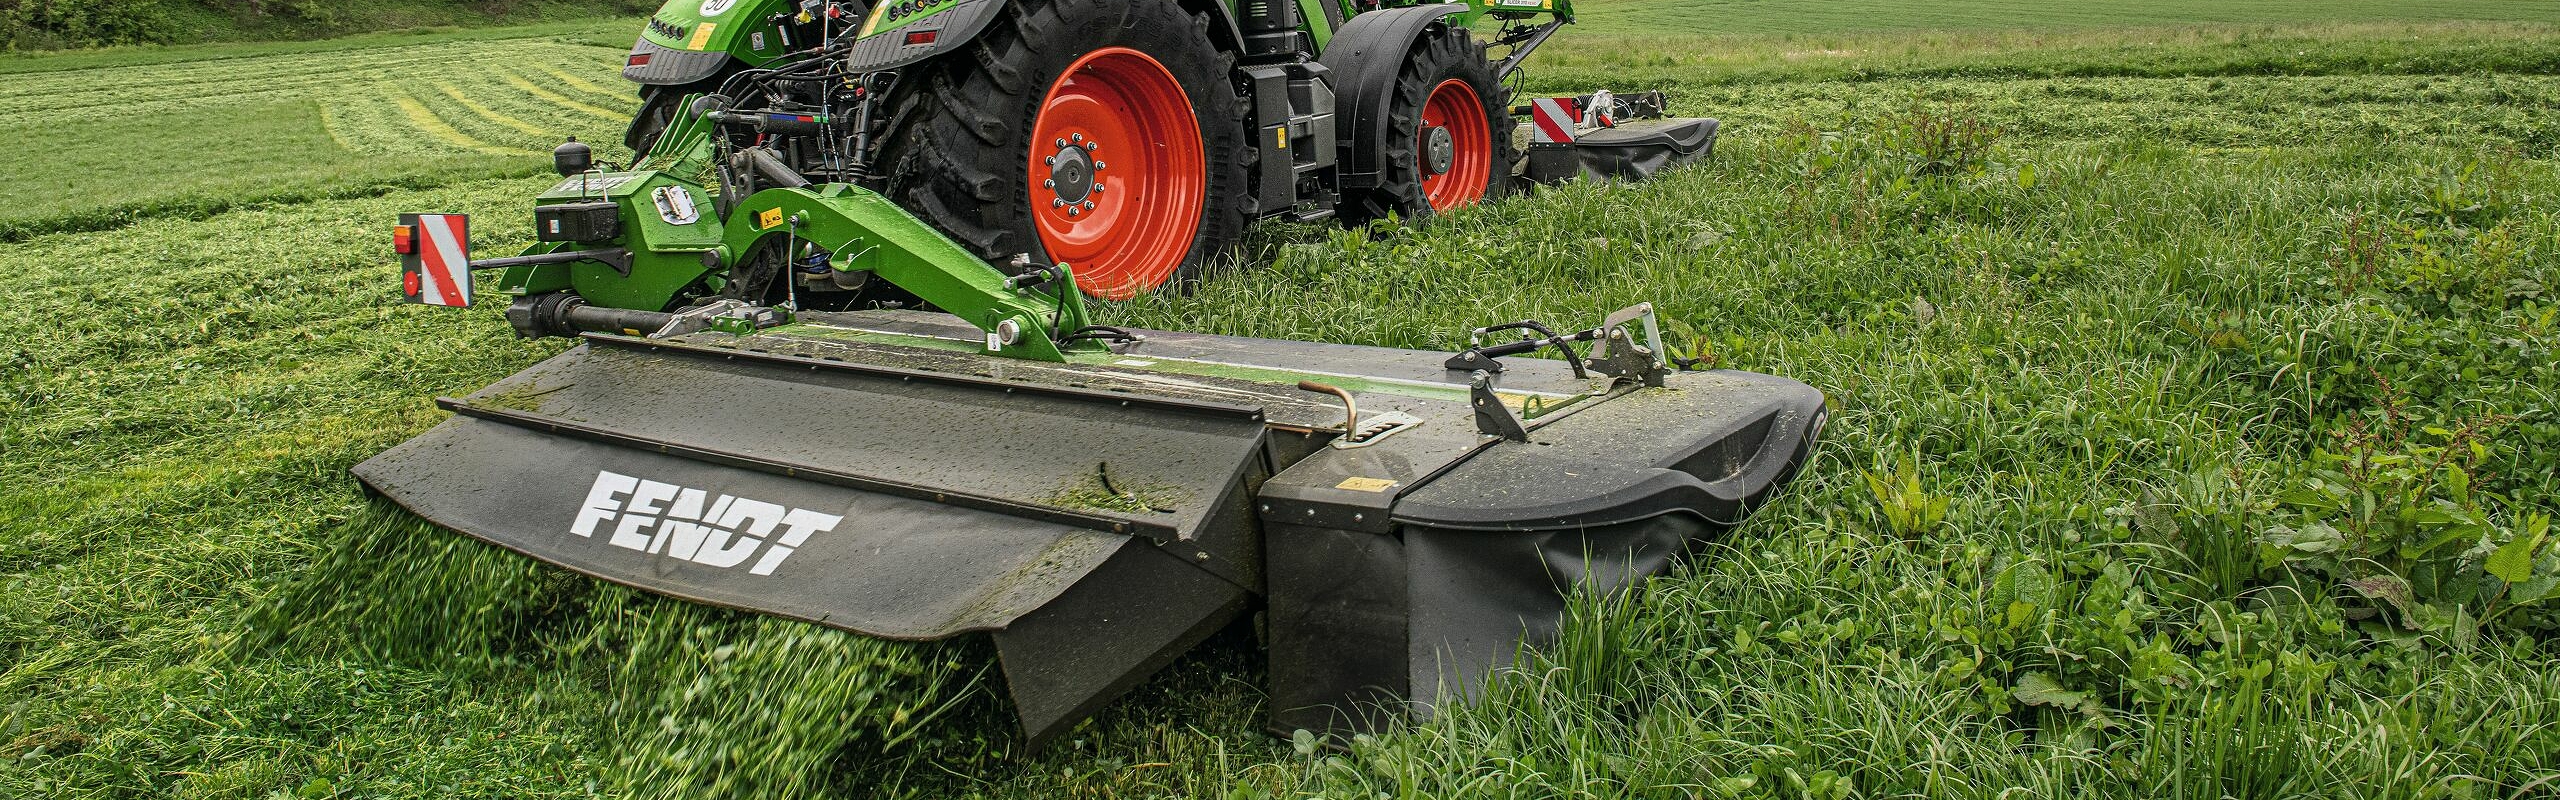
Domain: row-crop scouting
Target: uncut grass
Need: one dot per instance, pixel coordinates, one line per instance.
(194, 487)
(2108, 365)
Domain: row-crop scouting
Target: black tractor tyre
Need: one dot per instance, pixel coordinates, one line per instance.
(958, 138)
(1444, 53)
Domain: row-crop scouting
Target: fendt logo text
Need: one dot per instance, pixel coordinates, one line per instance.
(690, 524)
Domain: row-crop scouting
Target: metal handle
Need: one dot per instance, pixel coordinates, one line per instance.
(1350, 410)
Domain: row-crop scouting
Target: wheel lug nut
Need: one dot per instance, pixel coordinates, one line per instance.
(1097, 187)
(1062, 142)
(1050, 183)
(1075, 137)
(1099, 165)
(1088, 205)
(1051, 161)
(1071, 211)
(1055, 202)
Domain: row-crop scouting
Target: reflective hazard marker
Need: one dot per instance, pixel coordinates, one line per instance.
(435, 258)
(1555, 118)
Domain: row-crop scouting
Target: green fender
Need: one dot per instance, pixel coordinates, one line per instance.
(690, 40)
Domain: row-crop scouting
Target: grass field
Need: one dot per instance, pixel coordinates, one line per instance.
(2194, 436)
(1787, 18)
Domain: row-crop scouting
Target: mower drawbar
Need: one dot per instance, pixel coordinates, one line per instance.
(1403, 528)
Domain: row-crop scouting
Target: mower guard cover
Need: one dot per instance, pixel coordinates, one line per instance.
(871, 472)
(1632, 151)
(638, 464)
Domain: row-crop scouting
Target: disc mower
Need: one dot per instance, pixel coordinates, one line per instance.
(835, 362)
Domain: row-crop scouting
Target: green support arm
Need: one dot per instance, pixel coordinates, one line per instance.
(864, 232)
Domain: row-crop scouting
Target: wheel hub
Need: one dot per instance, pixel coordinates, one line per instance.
(1439, 149)
(1071, 174)
(1131, 233)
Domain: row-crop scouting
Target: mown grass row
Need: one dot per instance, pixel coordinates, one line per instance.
(134, 142)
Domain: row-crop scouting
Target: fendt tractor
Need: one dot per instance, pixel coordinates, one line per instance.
(835, 361)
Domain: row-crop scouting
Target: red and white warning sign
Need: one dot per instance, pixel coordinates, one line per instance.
(1555, 118)
(435, 258)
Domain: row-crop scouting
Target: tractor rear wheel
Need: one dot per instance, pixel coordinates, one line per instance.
(1105, 134)
(1449, 134)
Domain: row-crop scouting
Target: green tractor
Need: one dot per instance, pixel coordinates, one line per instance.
(835, 362)
(1134, 139)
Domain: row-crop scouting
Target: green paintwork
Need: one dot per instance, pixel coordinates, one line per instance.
(733, 28)
(1319, 26)
(1542, 402)
(686, 147)
(864, 232)
(879, 22)
(1515, 9)
(666, 258)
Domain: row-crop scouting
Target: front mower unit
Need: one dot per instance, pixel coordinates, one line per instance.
(759, 416)
(1606, 137)
(876, 472)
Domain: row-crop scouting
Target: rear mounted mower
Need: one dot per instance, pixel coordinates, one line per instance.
(809, 387)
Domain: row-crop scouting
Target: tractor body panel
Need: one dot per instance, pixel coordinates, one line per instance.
(690, 40)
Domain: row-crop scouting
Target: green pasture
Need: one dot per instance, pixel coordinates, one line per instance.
(2195, 436)
(1787, 18)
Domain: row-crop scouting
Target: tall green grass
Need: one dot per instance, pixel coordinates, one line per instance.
(2084, 333)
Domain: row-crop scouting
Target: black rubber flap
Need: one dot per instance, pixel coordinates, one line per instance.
(1633, 150)
(895, 506)
(885, 566)
(1710, 444)
(1680, 137)
(1475, 599)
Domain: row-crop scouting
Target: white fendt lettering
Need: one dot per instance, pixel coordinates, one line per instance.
(691, 524)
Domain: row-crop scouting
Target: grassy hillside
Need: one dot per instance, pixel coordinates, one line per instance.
(55, 24)
(120, 136)
(2192, 394)
(1803, 17)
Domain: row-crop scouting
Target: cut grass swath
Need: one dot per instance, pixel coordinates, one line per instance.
(708, 702)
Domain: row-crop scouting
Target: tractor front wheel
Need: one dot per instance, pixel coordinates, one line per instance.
(1104, 134)
(1449, 134)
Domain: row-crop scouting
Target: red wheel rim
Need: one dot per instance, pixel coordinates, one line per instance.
(1117, 177)
(1455, 111)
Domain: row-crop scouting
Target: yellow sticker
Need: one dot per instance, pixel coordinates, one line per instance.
(1282, 134)
(701, 37)
(1365, 484)
(769, 218)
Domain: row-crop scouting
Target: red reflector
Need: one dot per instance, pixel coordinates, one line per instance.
(922, 37)
(409, 283)
(404, 239)
(639, 60)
